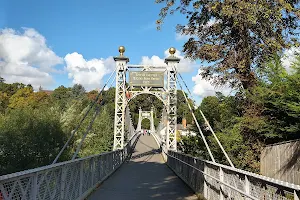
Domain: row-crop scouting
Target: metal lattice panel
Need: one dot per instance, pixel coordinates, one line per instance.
(17, 189)
(146, 115)
(49, 184)
(168, 95)
(216, 181)
(172, 111)
(67, 180)
(129, 128)
(120, 100)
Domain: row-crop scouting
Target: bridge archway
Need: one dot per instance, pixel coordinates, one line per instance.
(133, 94)
(146, 115)
(147, 79)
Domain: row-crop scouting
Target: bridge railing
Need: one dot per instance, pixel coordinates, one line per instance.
(68, 180)
(216, 181)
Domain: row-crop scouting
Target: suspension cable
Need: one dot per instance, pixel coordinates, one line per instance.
(90, 126)
(210, 128)
(81, 121)
(196, 121)
(86, 132)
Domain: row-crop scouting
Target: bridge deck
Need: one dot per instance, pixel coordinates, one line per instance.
(145, 176)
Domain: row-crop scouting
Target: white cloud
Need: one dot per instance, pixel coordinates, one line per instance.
(185, 65)
(289, 58)
(88, 73)
(25, 57)
(204, 88)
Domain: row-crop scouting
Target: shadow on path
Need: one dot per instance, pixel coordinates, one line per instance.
(144, 176)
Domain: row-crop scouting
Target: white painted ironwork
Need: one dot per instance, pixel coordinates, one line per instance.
(161, 95)
(167, 94)
(130, 130)
(147, 66)
(146, 115)
(217, 181)
(172, 62)
(69, 180)
(120, 100)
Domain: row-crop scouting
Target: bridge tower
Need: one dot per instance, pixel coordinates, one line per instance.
(120, 98)
(152, 83)
(146, 115)
(172, 62)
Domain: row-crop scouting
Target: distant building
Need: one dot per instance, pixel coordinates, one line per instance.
(184, 129)
(49, 92)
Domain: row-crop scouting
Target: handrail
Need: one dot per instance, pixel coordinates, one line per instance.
(240, 171)
(68, 180)
(38, 169)
(156, 139)
(217, 181)
(15, 174)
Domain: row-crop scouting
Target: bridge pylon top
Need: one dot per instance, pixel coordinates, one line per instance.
(121, 58)
(172, 51)
(121, 50)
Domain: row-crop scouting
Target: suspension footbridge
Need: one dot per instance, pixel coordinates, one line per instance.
(143, 166)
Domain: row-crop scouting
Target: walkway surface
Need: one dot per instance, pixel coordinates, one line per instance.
(144, 176)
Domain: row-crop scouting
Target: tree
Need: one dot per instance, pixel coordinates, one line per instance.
(109, 101)
(41, 99)
(235, 36)
(29, 86)
(276, 103)
(2, 80)
(183, 109)
(92, 95)
(29, 138)
(100, 138)
(11, 89)
(146, 124)
(62, 95)
(23, 98)
(210, 106)
(78, 90)
(4, 101)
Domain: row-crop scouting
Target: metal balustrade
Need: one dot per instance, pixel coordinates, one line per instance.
(216, 181)
(68, 180)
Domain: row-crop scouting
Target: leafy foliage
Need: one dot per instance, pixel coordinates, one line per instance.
(29, 138)
(235, 36)
(100, 138)
(35, 125)
(269, 114)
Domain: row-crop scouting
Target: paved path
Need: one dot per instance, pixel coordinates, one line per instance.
(144, 177)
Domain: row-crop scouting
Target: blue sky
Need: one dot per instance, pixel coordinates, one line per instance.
(60, 35)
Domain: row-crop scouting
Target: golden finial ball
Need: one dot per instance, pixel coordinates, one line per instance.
(172, 50)
(121, 50)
